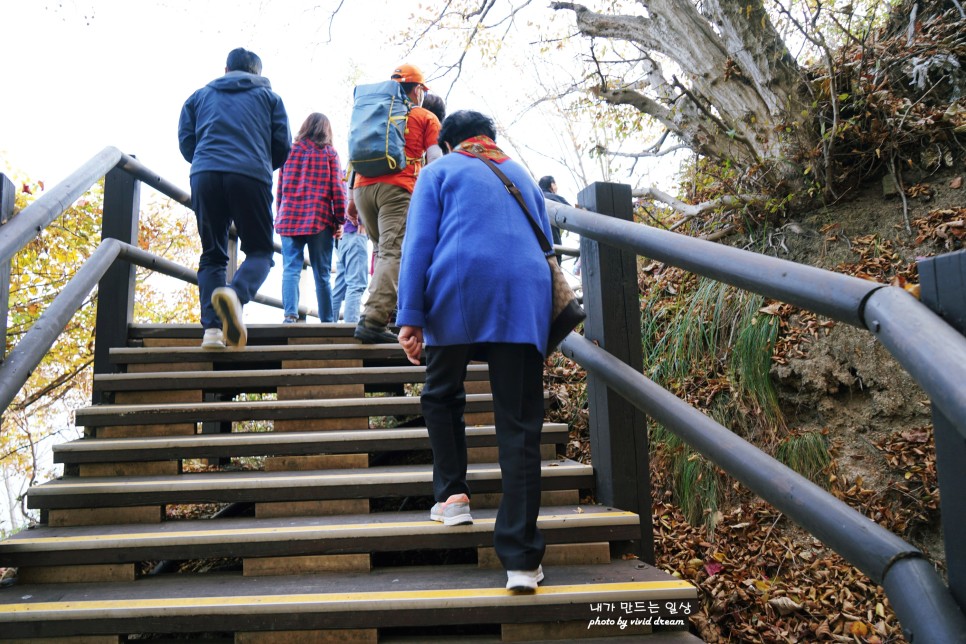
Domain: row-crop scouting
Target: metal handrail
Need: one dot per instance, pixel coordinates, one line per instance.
(37, 341)
(931, 351)
(925, 345)
(32, 220)
(921, 600)
(16, 367)
(29, 223)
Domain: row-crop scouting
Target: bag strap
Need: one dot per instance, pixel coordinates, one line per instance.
(513, 190)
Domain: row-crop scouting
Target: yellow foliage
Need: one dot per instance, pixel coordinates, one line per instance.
(61, 383)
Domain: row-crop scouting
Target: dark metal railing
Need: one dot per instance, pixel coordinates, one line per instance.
(618, 393)
(933, 352)
(123, 174)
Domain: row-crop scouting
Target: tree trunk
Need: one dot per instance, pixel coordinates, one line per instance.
(738, 82)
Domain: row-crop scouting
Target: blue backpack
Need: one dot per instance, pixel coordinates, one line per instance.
(377, 129)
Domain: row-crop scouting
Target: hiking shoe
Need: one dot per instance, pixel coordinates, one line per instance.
(214, 339)
(454, 511)
(524, 581)
(374, 334)
(229, 309)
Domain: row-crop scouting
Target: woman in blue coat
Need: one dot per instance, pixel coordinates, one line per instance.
(474, 284)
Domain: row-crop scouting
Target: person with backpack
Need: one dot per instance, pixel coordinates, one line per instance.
(234, 132)
(382, 201)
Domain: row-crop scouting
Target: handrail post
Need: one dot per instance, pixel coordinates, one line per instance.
(618, 430)
(943, 284)
(7, 202)
(115, 292)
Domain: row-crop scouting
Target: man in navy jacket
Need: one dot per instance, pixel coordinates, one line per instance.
(234, 131)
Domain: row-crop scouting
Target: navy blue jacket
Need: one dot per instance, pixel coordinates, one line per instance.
(235, 123)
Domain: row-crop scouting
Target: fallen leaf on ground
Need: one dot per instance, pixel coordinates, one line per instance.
(785, 605)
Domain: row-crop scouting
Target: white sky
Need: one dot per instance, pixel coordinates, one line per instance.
(93, 73)
(85, 74)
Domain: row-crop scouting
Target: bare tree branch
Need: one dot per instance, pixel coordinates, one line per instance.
(51, 386)
(458, 65)
(332, 16)
(693, 210)
(433, 24)
(647, 154)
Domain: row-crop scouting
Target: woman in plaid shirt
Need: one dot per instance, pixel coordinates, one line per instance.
(311, 207)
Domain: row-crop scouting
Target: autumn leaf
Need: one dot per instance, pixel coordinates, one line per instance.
(713, 568)
(784, 605)
(859, 629)
(915, 435)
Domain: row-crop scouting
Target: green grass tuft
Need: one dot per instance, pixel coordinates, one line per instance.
(806, 453)
(697, 488)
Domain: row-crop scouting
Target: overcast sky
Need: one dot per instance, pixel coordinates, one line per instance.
(86, 74)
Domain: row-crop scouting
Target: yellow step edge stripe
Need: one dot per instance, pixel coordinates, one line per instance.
(255, 438)
(550, 468)
(434, 599)
(296, 530)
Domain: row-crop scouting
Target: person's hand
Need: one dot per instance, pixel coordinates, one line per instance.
(351, 213)
(337, 234)
(411, 339)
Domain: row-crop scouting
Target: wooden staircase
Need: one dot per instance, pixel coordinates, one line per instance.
(281, 494)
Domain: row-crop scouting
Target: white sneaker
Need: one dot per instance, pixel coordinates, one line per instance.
(524, 581)
(229, 309)
(214, 339)
(454, 511)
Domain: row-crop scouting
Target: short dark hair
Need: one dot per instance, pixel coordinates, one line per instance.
(435, 104)
(409, 87)
(463, 125)
(545, 183)
(242, 60)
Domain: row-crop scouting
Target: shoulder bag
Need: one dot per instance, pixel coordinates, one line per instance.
(566, 313)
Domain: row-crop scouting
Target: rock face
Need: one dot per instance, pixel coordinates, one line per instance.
(844, 382)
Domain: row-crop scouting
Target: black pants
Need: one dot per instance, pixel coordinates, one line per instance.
(218, 199)
(516, 380)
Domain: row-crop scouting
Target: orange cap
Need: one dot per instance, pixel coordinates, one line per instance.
(407, 73)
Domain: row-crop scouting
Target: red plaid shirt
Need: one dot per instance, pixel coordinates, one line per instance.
(311, 194)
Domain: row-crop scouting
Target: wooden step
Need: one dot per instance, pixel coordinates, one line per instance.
(386, 597)
(267, 380)
(250, 537)
(253, 355)
(230, 487)
(238, 444)
(669, 637)
(257, 333)
(240, 411)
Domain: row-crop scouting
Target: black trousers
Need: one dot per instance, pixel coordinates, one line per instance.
(516, 380)
(218, 199)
